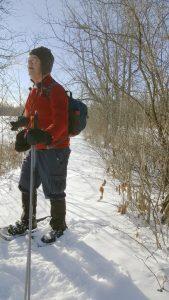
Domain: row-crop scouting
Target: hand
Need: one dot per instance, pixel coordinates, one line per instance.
(36, 136)
(21, 141)
(14, 126)
(22, 121)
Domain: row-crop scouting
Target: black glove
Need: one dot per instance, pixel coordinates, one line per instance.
(22, 121)
(36, 136)
(21, 144)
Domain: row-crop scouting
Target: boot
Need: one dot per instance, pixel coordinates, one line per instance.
(20, 227)
(57, 222)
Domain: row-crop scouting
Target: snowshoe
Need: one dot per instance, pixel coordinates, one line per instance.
(11, 232)
(20, 227)
(52, 236)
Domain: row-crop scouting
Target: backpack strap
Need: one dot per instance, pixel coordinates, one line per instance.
(47, 89)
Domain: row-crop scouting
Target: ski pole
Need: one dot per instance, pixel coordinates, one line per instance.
(32, 184)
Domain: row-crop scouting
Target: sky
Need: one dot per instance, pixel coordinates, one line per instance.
(26, 22)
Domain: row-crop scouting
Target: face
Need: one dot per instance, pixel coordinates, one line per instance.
(34, 68)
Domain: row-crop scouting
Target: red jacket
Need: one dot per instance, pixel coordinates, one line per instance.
(52, 113)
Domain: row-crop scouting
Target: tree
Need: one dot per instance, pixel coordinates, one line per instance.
(7, 52)
(120, 57)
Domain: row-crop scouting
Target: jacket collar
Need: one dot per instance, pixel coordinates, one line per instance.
(45, 82)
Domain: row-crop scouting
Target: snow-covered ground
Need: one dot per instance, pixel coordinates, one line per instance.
(6, 135)
(99, 257)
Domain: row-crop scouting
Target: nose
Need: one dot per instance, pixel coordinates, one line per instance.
(30, 65)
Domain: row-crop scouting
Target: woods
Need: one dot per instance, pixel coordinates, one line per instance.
(120, 59)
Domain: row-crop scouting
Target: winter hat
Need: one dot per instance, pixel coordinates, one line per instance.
(46, 58)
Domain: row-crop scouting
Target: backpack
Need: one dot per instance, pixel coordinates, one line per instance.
(77, 112)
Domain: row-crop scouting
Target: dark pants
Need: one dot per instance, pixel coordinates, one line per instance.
(50, 171)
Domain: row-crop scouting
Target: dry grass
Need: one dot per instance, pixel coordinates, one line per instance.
(9, 158)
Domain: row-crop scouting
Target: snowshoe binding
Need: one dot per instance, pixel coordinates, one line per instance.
(52, 236)
(20, 227)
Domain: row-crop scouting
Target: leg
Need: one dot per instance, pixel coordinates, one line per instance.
(24, 181)
(58, 214)
(25, 209)
(24, 185)
(53, 171)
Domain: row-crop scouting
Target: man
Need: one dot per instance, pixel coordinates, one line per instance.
(50, 101)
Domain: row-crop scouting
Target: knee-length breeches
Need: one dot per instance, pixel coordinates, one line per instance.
(50, 171)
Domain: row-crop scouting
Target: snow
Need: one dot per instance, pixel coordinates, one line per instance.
(6, 134)
(99, 256)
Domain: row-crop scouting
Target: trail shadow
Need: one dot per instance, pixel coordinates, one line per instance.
(90, 273)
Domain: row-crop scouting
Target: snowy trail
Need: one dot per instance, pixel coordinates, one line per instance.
(92, 260)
